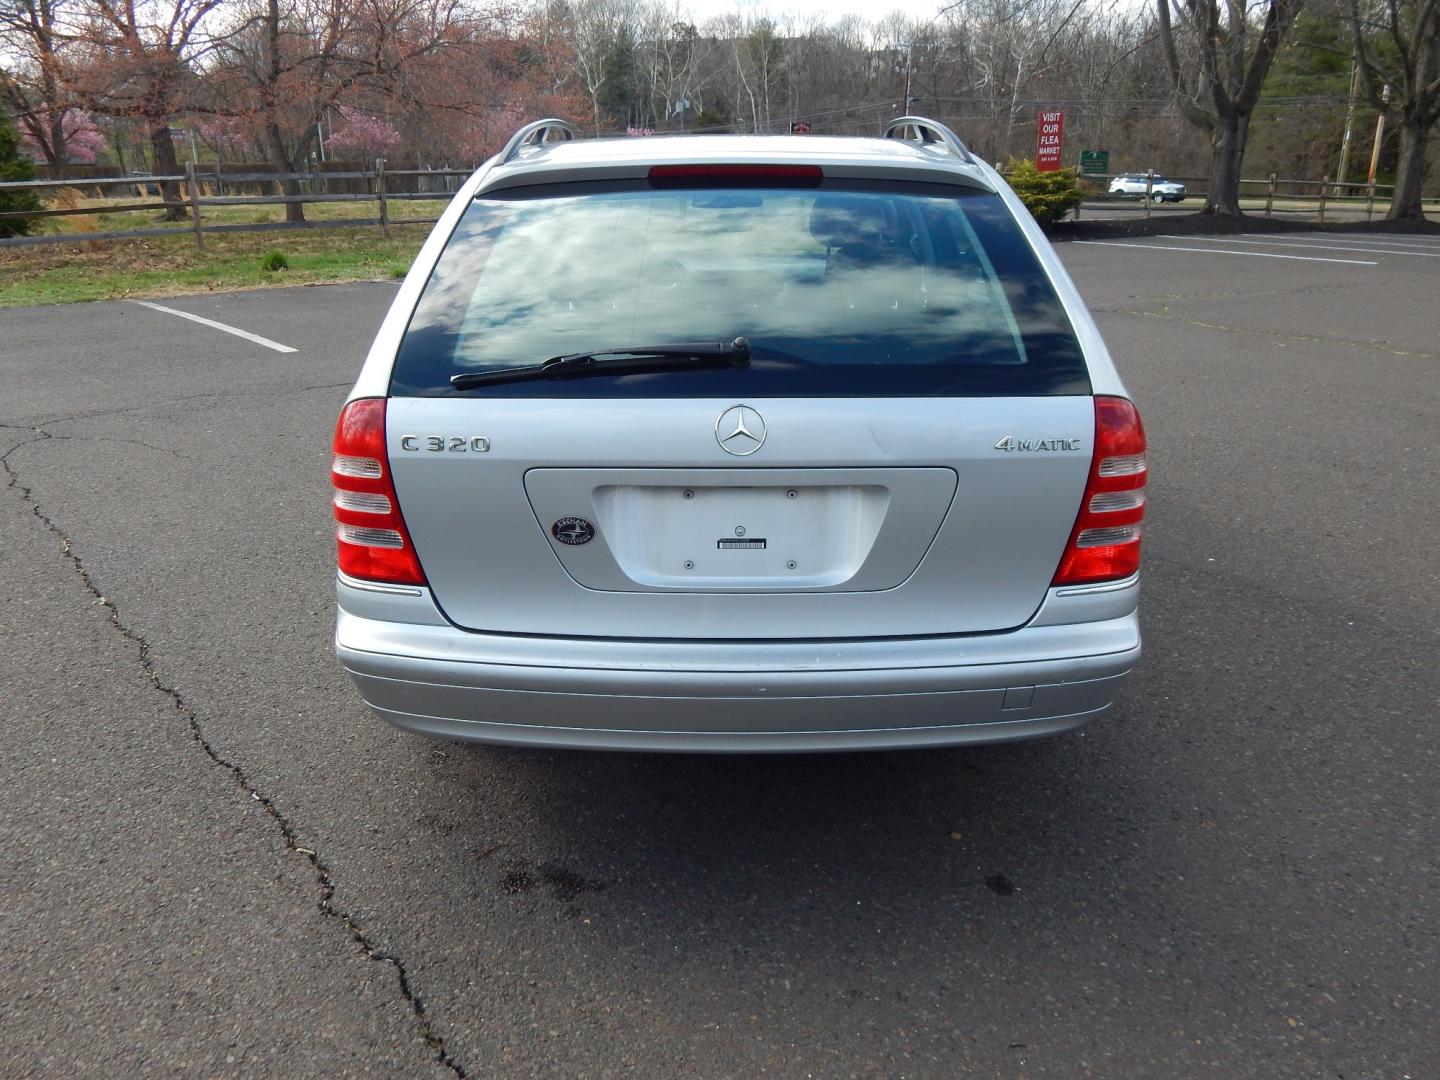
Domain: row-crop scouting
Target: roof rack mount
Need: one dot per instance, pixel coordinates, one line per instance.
(918, 129)
(535, 133)
(928, 132)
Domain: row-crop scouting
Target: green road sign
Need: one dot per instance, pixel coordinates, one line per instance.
(1095, 162)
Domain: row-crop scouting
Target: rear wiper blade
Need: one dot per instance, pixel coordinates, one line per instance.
(635, 360)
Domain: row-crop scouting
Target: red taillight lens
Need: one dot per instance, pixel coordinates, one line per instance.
(736, 174)
(371, 539)
(1105, 543)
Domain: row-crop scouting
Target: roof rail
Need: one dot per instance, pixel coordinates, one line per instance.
(925, 131)
(534, 134)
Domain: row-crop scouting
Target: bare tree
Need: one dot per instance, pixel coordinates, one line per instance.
(755, 62)
(1397, 45)
(1015, 51)
(288, 62)
(672, 58)
(836, 72)
(136, 63)
(1233, 48)
(595, 27)
(31, 32)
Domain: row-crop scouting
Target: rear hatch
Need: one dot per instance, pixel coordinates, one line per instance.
(904, 454)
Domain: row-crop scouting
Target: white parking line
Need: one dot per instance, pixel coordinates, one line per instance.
(1310, 247)
(256, 338)
(1356, 239)
(1221, 251)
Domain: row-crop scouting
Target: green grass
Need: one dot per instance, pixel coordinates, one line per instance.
(169, 266)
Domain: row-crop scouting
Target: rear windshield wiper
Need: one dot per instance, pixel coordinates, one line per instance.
(636, 360)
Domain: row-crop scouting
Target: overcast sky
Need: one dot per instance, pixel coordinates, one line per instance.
(805, 9)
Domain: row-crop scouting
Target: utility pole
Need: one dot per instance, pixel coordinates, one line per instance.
(1344, 171)
(1379, 136)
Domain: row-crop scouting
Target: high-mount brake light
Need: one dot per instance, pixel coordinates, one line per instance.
(1105, 543)
(371, 539)
(737, 174)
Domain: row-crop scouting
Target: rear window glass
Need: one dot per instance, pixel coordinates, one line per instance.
(861, 290)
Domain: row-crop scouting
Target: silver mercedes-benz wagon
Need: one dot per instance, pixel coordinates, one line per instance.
(738, 443)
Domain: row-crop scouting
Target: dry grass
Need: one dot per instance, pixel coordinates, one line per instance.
(150, 218)
(169, 266)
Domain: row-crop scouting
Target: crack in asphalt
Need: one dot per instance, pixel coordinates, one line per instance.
(289, 838)
(115, 439)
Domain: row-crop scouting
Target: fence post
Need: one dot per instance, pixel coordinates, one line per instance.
(1369, 199)
(380, 191)
(1149, 187)
(1270, 194)
(1324, 187)
(195, 207)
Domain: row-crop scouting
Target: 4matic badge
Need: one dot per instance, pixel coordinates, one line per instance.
(1009, 443)
(573, 531)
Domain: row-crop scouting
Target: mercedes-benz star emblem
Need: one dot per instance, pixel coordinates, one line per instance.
(573, 531)
(740, 430)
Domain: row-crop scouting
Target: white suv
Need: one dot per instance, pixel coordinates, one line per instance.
(1161, 190)
(738, 443)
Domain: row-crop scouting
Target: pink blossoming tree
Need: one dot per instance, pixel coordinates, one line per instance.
(82, 140)
(362, 135)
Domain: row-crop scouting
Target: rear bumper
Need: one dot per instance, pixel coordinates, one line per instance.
(737, 696)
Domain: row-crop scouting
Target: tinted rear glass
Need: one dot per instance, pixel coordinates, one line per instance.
(843, 291)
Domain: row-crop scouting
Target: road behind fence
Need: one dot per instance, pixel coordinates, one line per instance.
(1272, 196)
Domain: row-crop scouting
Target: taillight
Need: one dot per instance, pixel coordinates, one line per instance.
(370, 534)
(1105, 543)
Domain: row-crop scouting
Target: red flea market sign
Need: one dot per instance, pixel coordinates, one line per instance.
(1050, 128)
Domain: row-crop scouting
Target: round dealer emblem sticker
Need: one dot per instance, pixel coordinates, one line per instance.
(573, 531)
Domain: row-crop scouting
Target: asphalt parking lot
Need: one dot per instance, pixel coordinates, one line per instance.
(217, 863)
